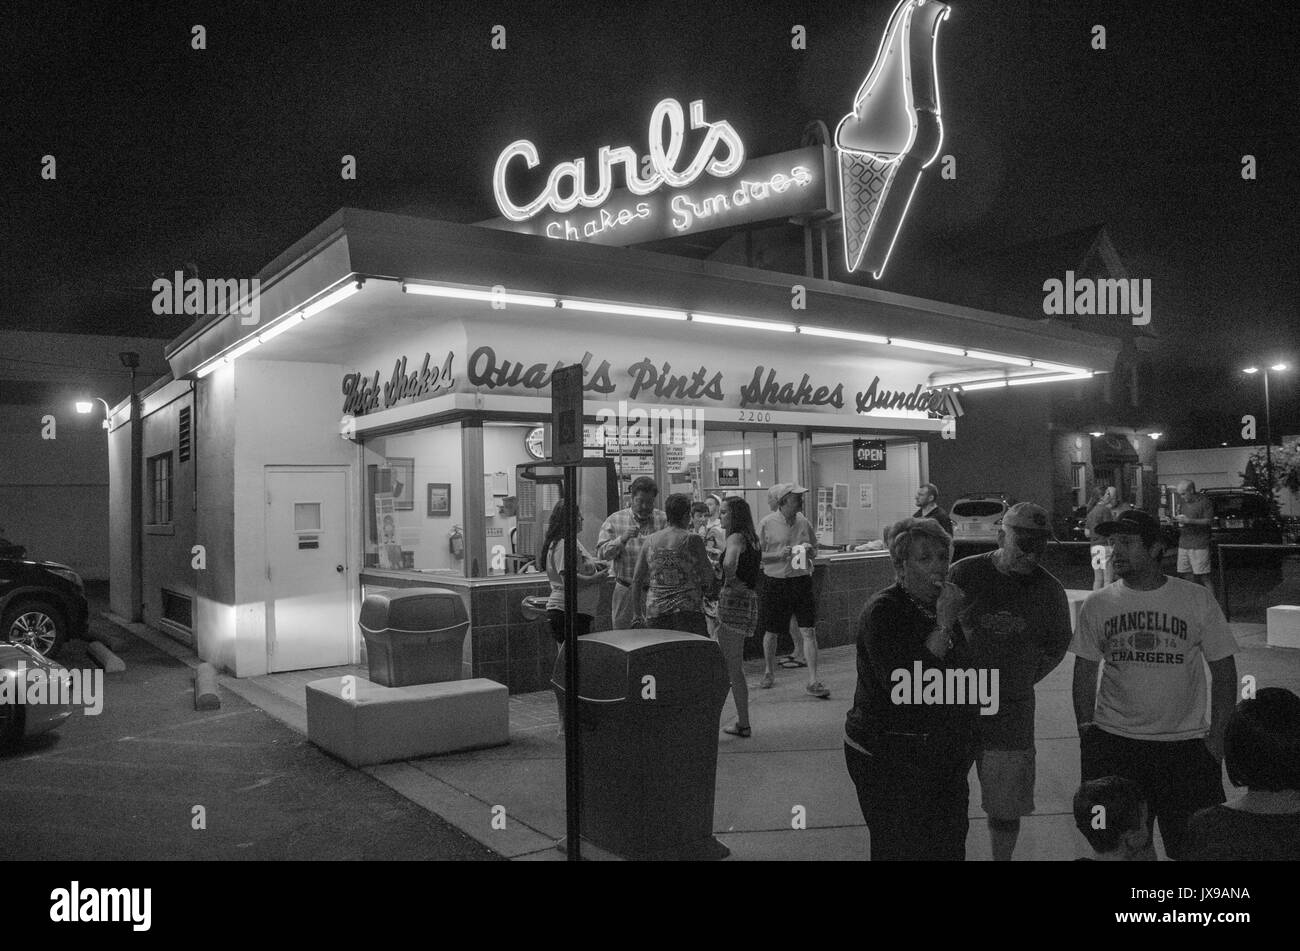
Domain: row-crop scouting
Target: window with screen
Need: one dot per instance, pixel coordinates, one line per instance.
(160, 489)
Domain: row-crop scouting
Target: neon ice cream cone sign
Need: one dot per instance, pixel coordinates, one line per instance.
(893, 133)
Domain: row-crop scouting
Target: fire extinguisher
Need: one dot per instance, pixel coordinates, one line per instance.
(456, 541)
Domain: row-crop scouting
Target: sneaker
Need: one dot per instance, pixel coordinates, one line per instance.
(818, 689)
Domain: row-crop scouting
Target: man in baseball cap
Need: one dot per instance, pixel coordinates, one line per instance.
(1016, 618)
(788, 545)
(1147, 722)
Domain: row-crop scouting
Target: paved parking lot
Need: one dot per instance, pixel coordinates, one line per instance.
(125, 784)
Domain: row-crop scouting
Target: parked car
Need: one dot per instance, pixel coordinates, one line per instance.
(21, 720)
(977, 517)
(1242, 517)
(42, 604)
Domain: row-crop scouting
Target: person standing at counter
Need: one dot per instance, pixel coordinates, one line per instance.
(673, 572)
(927, 506)
(620, 541)
(738, 602)
(789, 545)
(909, 760)
(590, 576)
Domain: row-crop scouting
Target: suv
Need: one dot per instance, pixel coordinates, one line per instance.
(42, 604)
(1242, 517)
(977, 517)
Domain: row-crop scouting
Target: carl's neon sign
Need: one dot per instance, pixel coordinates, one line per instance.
(566, 186)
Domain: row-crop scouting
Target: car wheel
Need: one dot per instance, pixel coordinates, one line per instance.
(35, 624)
(11, 724)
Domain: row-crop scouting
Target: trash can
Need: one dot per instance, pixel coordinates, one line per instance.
(648, 723)
(414, 635)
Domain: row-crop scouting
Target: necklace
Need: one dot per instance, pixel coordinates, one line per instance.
(930, 614)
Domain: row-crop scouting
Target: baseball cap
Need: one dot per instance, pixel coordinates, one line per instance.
(1134, 522)
(1027, 517)
(782, 489)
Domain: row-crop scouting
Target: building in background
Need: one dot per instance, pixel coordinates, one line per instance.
(1222, 467)
(368, 433)
(54, 486)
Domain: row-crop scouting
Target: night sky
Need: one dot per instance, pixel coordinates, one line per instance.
(218, 159)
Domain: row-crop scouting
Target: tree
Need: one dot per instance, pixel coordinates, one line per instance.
(1286, 471)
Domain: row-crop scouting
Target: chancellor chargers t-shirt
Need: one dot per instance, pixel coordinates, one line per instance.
(1151, 644)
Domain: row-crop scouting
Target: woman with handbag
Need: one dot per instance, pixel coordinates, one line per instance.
(909, 760)
(738, 602)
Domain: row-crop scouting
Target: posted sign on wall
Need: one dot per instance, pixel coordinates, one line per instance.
(868, 454)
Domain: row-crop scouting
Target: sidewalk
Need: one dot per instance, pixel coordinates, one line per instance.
(794, 759)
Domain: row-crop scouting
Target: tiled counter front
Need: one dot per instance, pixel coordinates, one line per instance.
(503, 645)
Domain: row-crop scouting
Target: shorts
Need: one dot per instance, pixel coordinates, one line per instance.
(1103, 557)
(1006, 782)
(1178, 777)
(1195, 561)
(783, 597)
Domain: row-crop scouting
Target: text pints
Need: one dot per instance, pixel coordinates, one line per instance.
(950, 687)
(362, 394)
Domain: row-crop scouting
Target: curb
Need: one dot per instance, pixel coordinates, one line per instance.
(206, 696)
(111, 663)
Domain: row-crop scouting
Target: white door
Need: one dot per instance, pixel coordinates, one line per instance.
(308, 609)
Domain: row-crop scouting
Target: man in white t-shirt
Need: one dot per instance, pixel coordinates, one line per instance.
(789, 545)
(1153, 637)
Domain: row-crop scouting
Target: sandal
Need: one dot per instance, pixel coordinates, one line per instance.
(768, 681)
(818, 689)
(737, 730)
(791, 664)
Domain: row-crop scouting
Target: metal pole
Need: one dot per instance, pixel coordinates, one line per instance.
(1223, 585)
(572, 755)
(1268, 443)
(137, 503)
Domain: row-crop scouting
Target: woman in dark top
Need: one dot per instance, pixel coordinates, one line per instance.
(909, 759)
(737, 602)
(1262, 749)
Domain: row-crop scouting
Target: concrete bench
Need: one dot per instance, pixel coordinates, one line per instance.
(363, 723)
(1284, 626)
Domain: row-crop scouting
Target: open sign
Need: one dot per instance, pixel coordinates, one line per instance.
(868, 454)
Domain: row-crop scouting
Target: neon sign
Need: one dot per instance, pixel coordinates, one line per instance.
(565, 186)
(893, 133)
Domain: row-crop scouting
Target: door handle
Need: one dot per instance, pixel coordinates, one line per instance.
(338, 568)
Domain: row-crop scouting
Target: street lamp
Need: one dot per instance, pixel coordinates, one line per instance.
(1268, 420)
(86, 406)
